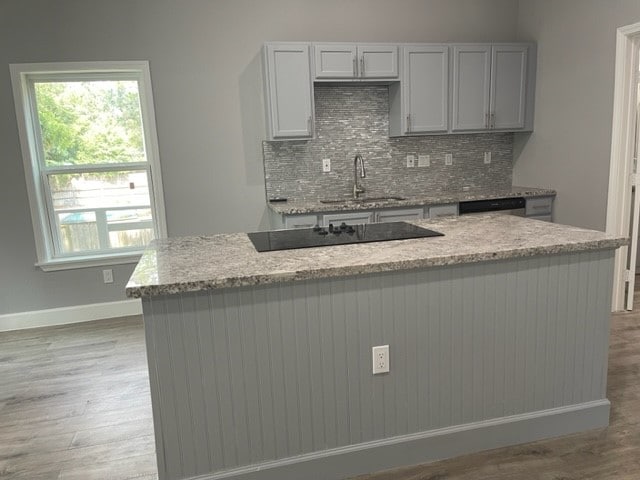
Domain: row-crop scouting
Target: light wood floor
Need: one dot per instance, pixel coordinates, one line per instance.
(74, 404)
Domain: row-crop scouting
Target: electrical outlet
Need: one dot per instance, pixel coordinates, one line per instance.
(380, 359)
(411, 161)
(326, 165)
(107, 275)
(487, 157)
(424, 160)
(448, 159)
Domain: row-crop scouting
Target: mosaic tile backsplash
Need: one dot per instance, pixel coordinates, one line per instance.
(352, 119)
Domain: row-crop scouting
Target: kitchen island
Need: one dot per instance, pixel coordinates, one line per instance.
(260, 363)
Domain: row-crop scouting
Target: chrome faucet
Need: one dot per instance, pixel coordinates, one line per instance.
(358, 162)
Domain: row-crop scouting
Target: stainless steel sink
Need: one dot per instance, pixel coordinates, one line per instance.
(362, 200)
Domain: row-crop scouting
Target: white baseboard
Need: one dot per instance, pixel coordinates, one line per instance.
(427, 446)
(67, 315)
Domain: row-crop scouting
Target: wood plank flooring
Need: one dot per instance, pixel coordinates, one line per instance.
(74, 404)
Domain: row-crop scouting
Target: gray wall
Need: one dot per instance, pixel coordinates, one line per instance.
(203, 57)
(570, 147)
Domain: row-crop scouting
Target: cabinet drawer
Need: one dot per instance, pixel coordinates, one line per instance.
(350, 218)
(443, 210)
(300, 221)
(539, 206)
(399, 215)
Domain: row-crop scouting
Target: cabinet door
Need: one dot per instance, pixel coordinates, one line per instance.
(350, 218)
(289, 90)
(508, 86)
(426, 89)
(335, 61)
(378, 61)
(471, 77)
(399, 215)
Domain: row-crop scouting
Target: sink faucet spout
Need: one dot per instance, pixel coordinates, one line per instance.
(358, 168)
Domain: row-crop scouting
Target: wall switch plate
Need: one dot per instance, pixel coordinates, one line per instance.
(411, 161)
(326, 165)
(424, 160)
(448, 159)
(380, 359)
(107, 275)
(487, 157)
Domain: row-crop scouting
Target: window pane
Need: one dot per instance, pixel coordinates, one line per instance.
(99, 190)
(129, 228)
(100, 211)
(78, 232)
(130, 238)
(90, 123)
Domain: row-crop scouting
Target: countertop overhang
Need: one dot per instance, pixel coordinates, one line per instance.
(191, 264)
(298, 207)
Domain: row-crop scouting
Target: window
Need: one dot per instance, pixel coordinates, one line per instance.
(91, 160)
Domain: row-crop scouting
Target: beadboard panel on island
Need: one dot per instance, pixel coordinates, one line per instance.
(274, 381)
(354, 119)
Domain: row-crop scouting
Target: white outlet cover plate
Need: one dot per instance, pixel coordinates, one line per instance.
(380, 358)
(326, 165)
(411, 161)
(448, 159)
(424, 160)
(487, 157)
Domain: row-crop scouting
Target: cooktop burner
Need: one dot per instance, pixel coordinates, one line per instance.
(337, 235)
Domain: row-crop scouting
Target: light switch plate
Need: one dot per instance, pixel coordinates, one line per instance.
(448, 159)
(326, 165)
(411, 161)
(424, 160)
(487, 157)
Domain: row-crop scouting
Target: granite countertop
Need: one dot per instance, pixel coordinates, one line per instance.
(300, 207)
(190, 264)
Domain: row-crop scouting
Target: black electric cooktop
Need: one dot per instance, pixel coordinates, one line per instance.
(337, 235)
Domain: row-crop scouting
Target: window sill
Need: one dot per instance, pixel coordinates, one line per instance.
(73, 263)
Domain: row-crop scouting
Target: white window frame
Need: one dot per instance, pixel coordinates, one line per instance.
(21, 78)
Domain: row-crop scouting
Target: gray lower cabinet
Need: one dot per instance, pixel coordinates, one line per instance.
(399, 215)
(540, 208)
(348, 218)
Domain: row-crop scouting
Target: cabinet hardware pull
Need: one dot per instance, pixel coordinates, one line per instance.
(493, 120)
(362, 66)
(408, 122)
(486, 120)
(355, 66)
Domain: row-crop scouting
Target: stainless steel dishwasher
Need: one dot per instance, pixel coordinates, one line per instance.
(509, 206)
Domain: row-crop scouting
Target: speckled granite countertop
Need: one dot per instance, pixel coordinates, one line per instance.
(300, 207)
(190, 264)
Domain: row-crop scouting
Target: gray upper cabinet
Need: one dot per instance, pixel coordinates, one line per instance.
(471, 82)
(508, 86)
(424, 92)
(490, 87)
(348, 61)
(289, 91)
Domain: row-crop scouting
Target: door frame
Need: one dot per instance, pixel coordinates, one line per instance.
(622, 144)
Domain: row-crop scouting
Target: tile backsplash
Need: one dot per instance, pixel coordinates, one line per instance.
(352, 119)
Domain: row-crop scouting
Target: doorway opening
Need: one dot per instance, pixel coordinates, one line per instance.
(623, 208)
